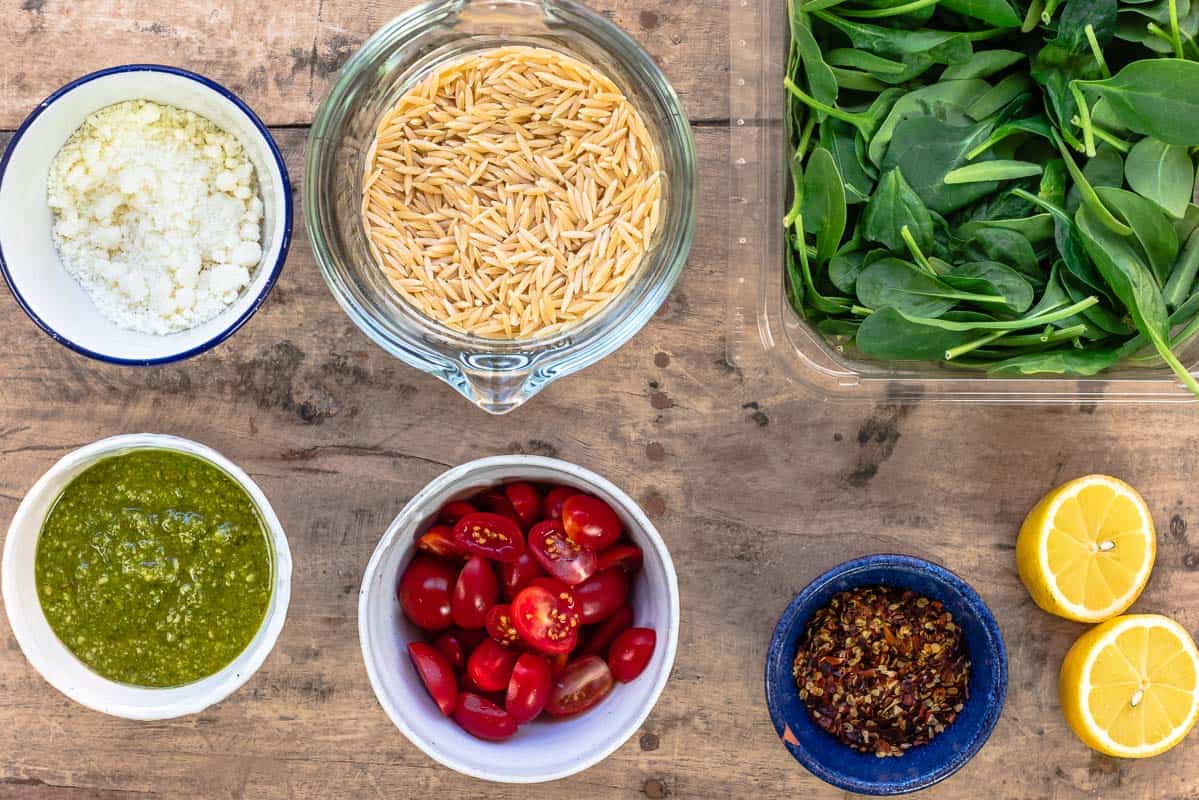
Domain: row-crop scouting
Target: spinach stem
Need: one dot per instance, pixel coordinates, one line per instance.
(1178, 287)
(805, 137)
(1084, 113)
(1047, 13)
(1089, 195)
(917, 253)
(963, 349)
(859, 121)
(827, 305)
(1030, 18)
(1096, 50)
(1175, 37)
(1005, 324)
(892, 11)
(820, 5)
(1104, 136)
(985, 34)
(1050, 336)
(860, 311)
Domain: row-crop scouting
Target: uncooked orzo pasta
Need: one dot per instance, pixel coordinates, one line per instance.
(511, 193)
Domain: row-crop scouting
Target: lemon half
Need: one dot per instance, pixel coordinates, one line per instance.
(1086, 550)
(1130, 687)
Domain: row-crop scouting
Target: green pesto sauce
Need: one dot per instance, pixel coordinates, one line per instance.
(154, 568)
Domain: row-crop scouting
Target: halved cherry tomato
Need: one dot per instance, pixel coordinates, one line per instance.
(557, 662)
(455, 510)
(601, 595)
(470, 638)
(579, 687)
(526, 500)
(516, 575)
(553, 584)
(466, 684)
(590, 522)
(500, 627)
(436, 674)
(627, 557)
(498, 503)
(551, 506)
(631, 652)
(529, 688)
(491, 536)
(439, 541)
(483, 719)
(424, 592)
(597, 640)
(476, 591)
(450, 647)
(547, 621)
(561, 557)
(490, 666)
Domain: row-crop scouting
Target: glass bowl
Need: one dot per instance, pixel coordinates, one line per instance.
(496, 375)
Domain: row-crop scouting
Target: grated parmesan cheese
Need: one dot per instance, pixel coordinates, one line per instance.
(157, 215)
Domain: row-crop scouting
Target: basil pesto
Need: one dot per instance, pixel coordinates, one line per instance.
(154, 568)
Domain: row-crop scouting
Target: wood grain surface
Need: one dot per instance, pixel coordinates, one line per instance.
(755, 485)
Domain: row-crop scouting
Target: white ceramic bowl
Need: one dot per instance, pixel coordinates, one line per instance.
(57, 664)
(540, 751)
(28, 258)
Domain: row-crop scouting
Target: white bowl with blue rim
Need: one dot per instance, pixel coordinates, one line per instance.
(30, 262)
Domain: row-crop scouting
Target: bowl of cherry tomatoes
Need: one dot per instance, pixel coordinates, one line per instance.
(519, 619)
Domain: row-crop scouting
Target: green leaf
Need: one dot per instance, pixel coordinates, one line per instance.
(1125, 272)
(892, 283)
(1077, 14)
(1163, 173)
(955, 95)
(824, 203)
(822, 84)
(1155, 97)
(844, 269)
(888, 335)
(983, 64)
(849, 155)
(893, 206)
(1134, 286)
(1064, 361)
(1150, 227)
(863, 60)
(991, 277)
(996, 170)
(1182, 276)
(944, 47)
(999, 96)
(926, 148)
(993, 12)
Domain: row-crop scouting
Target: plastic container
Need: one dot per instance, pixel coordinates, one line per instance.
(541, 750)
(58, 665)
(764, 327)
(495, 375)
(29, 261)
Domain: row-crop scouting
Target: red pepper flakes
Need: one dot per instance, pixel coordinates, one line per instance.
(882, 669)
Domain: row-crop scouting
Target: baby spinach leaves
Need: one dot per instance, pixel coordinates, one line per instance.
(1162, 173)
(1001, 186)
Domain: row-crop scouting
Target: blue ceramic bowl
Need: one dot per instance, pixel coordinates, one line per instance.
(920, 767)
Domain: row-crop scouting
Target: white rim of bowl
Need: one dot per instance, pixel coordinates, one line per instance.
(444, 482)
(232, 677)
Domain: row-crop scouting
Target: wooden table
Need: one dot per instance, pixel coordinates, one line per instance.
(755, 485)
